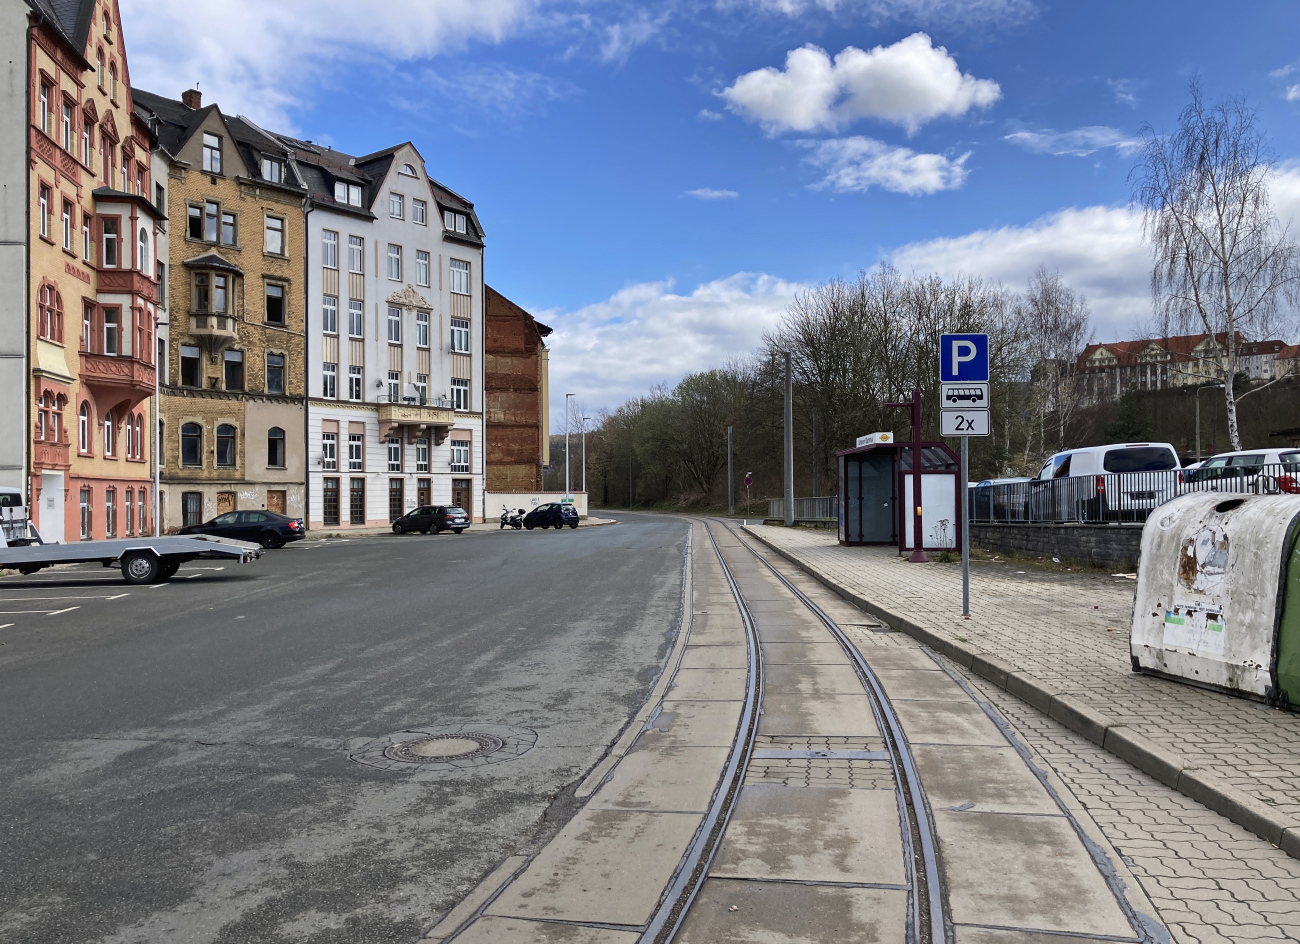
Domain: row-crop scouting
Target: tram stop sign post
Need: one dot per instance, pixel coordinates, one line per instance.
(964, 412)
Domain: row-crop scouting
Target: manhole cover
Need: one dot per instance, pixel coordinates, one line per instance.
(449, 747)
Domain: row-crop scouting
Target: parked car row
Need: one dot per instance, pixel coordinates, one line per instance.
(267, 528)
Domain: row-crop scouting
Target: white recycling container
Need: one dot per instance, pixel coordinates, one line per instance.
(1212, 593)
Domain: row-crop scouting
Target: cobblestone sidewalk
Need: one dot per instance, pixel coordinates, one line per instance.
(1070, 632)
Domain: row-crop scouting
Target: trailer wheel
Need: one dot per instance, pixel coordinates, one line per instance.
(168, 569)
(28, 569)
(140, 567)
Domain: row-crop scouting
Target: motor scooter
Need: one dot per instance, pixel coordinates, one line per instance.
(510, 519)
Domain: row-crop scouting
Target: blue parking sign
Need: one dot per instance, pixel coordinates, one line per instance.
(964, 358)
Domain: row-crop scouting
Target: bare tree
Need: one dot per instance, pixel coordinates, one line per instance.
(1056, 327)
(1223, 264)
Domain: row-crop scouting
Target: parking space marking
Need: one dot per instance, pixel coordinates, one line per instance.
(118, 596)
(66, 609)
(6, 625)
(65, 597)
(24, 612)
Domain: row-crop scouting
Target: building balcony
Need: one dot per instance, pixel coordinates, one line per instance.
(427, 418)
(51, 455)
(218, 328)
(116, 380)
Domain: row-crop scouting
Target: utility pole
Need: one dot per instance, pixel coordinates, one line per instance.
(789, 444)
(567, 492)
(731, 476)
(584, 454)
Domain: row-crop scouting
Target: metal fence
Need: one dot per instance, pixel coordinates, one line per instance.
(825, 508)
(1127, 496)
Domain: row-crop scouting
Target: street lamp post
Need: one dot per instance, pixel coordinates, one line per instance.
(1198, 414)
(584, 454)
(789, 443)
(567, 493)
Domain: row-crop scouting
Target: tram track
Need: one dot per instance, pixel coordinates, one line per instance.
(927, 922)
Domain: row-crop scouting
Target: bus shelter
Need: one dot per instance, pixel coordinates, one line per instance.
(876, 496)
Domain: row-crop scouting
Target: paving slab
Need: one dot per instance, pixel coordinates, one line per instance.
(813, 835)
(947, 722)
(716, 657)
(817, 715)
(969, 935)
(684, 723)
(663, 777)
(789, 653)
(707, 685)
(604, 866)
(919, 685)
(792, 631)
(490, 930)
(815, 679)
(1026, 872)
(779, 913)
(901, 657)
(990, 779)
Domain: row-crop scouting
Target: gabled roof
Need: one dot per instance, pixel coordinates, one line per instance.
(70, 18)
(212, 261)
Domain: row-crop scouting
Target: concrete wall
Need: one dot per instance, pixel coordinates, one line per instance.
(1100, 544)
(15, 430)
(530, 500)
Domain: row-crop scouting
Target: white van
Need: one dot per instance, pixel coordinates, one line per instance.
(1122, 481)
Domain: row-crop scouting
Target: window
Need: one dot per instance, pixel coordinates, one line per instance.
(356, 318)
(225, 446)
(394, 386)
(329, 314)
(459, 456)
(191, 372)
(50, 313)
(191, 508)
(460, 395)
(234, 361)
(394, 455)
(130, 511)
(357, 501)
(354, 383)
(454, 222)
(161, 271)
(130, 438)
(87, 316)
(329, 456)
(421, 268)
(408, 170)
(272, 171)
(85, 143)
(142, 251)
(422, 387)
(99, 69)
(110, 512)
(275, 235)
(47, 93)
(201, 297)
(219, 283)
(330, 500)
(141, 501)
(459, 277)
(110, 243)
(419, 212)
(211, 214)
(356, 452)
(460, 335)
(194, 229)
(275, 447)
(275, 373)
(329, 249)
(347, 193)
(110, 435)
(275, 304)
(330, 381)
(45, 211)
(112, 94)
(422, 455)
(356, 255)
(396, 206)
(65, 127)
(395, 325)
(67, 226)
(192, 445)
(83, 429)
(112, 330)
(139, 180)
(211, 153)
(160, 197)
(394, 263)
(422, 329)
(124, 188)
(229, 231)
(85, 236)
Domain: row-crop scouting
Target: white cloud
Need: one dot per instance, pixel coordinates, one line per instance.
(260, 58)
(620, 39)
(497, 88)
(706, 115)
(1125, 91)
(909, 83)
(645, 334)
(858, 163)
(708, 193)
(1293, 93)
(1077, 143)
(956, 12)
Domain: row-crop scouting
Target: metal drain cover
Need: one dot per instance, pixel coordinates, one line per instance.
(446, 747)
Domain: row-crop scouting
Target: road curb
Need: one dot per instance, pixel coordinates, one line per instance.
(1170, 768)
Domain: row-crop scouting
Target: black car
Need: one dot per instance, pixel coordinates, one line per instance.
(551, 515)
(433, 518)
(266, 528)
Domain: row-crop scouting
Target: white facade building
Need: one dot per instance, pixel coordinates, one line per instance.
(395, 350)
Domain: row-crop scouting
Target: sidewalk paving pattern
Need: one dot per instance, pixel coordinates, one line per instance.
(1070, 633)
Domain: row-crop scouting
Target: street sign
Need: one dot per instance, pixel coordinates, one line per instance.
(964, 423)
(964, 358)
(875, 438)
(963, 395)
(749, 479)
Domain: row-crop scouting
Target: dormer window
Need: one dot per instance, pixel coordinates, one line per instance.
(454, 222)
(272, 171)
(408, 170)
(347, 193)
(211, 153)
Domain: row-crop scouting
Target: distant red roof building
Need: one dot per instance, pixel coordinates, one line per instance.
(1109, 370)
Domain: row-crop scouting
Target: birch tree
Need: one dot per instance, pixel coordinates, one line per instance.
(1056, 328)
(1223, 264)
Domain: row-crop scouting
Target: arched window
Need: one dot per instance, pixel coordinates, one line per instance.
(99, 72)
(192, 445)
(142, 256)
(56, 419)
(49, 305)
(275, 447)
(83, 429)
(129, 426)
(408, 170)
(44, 406)
(110, 435)
(225, 446)
(112, 83)
(139, 435)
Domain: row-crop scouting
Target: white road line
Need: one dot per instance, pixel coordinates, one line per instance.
(68, 609)
(118, 597)
(5, 625)
(156, 586)
(187, 576)
(25, 612)
(75, 597)
(205, 568)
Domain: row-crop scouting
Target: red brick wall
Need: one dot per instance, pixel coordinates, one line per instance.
(513, 397)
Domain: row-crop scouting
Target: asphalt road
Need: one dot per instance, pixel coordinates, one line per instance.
(175, 762)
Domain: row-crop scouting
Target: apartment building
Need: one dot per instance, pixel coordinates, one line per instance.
(516, 396)
(394, 287)
(88, 275)
(232, 429)
(1107, 371)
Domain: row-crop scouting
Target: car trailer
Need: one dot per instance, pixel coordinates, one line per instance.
(142, 559)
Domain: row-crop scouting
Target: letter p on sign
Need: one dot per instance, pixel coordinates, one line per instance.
(964, 358)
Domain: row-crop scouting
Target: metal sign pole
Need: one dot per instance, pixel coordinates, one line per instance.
(965, 527)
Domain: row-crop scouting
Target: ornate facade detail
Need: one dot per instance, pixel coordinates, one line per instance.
(408, 297)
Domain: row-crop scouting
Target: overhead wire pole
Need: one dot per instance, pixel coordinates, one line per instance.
(568, 493)
(789, 444)
(584, 454)
(731, 479)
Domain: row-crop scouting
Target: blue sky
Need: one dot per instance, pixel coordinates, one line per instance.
(657, 179)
